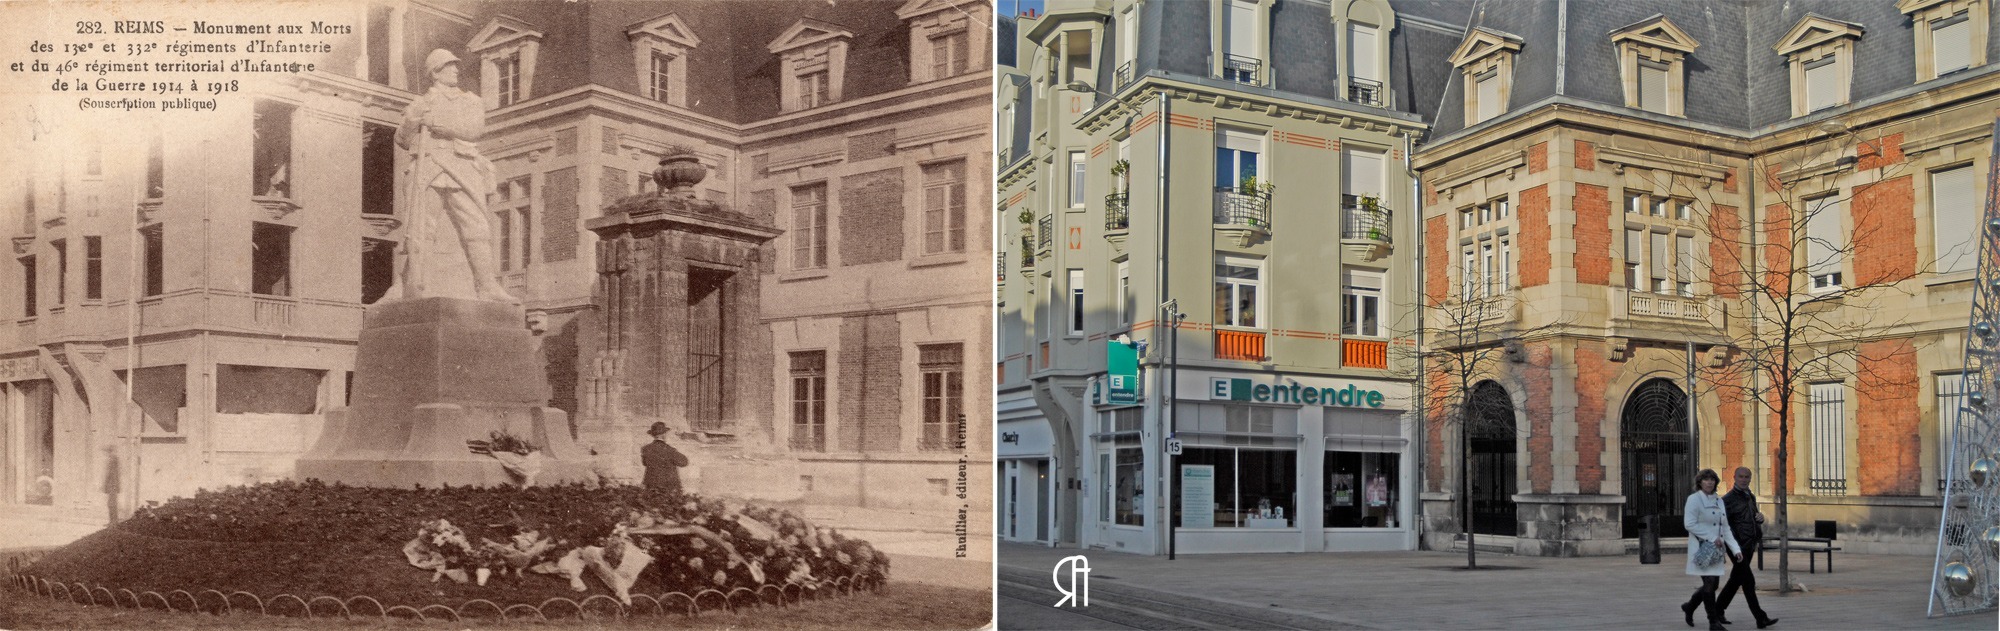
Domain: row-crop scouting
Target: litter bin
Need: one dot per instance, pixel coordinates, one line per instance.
(1649, 540)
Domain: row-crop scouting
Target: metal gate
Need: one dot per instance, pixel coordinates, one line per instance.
(705, 349)
(1492, 460)
(1655, 436)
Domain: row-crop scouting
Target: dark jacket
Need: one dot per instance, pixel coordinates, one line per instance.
(663, 465)
(1742, 509)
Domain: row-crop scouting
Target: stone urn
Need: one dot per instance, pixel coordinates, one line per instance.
(679, 171)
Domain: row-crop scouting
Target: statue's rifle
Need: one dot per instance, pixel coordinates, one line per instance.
(416, 228)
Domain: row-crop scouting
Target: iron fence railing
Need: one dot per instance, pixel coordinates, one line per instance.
(1242, 69)
(1236, 207)
(1364, 91)
(1123, 77)
(1116, 215)
(1045, 231)
(1359, 221)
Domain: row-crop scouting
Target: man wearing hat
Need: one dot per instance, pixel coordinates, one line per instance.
(441, 129)
(663, 462)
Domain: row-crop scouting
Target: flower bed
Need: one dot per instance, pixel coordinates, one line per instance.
(312, 539)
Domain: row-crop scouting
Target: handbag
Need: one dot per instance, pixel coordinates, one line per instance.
(1706, 554)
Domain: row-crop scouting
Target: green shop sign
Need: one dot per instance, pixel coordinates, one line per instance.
(1223, 389)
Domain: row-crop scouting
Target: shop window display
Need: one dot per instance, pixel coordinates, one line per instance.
(1254, 488)
(1361, 489)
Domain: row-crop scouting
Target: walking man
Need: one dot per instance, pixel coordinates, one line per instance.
(663, 462)
(1748, 526)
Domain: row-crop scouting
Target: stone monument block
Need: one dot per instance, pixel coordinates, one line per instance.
(431, 374)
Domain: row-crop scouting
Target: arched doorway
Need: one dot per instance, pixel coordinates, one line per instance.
(1656, 455)
(1490, 429)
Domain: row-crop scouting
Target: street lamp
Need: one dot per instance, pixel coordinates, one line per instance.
(1173, 316)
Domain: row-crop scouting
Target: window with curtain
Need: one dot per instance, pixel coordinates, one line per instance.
(1361, 303)
(1237, 282)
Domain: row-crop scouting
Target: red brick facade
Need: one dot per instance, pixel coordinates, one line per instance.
(1885, 227)
(1725, 264)
(1593, 376)
(1778, 247)
(1586, 156)
(1538, 157)
(1593, 234)
(1535, 263)
(1730, 416)
(1875, 154)
(1885, 418)
(1541, 417)
(1437, 283)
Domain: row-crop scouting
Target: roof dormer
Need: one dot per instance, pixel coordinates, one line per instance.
(944, 39)
(1650, 59)
(1486, 61)
(660, 49)
(813, 57)
(1820, 51)
(507, 48)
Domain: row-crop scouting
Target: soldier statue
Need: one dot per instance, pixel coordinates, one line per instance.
(447, 176)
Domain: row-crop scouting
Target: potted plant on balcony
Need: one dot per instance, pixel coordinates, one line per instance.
(1118, 170)
(1260, 194)
(1373, 206)
(1027, 217)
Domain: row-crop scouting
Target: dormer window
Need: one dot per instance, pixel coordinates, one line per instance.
(1650, 56)
(1364, 26)
(813, 64)
(1950, 35)
(660, 49)
(944, 42)
(507, 49)
(1242, 27)
(1486, 61)
(1821, 54)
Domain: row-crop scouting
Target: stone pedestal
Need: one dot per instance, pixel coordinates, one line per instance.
(431, 374)
(1569, 525)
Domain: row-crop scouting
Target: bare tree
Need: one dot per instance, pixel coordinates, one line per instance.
(1470, 338)
(1783, 274)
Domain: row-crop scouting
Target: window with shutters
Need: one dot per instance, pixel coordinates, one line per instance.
(1242, 29)
(1826, 245)
(944, 207)
(1955, 196)
(1820, 54)
(1651, 56)
(1485, 61)
(1950, 35)
(1364, 66)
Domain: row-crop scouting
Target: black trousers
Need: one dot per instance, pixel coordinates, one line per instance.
(1741, 577)
(1706, 596)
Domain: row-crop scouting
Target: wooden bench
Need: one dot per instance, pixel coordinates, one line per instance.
(1812, 546)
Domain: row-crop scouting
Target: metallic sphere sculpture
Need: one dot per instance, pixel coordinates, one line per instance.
(1981, 470)
(1992, 539)
(1959, 579)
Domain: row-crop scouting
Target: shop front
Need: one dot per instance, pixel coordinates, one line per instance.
(1025, 479)
(1266, 463)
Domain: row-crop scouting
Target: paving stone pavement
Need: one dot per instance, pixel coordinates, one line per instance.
(1428, 590)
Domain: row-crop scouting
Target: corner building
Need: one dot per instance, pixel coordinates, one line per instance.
(1245, 164)
(1594, 163)
(227, 264)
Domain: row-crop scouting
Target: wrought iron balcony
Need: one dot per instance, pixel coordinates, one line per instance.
(1236, 206)
(1123, 77)
(1000, 266)
(1242, 69)
(1363, 221)
(1045, 230)
(1116, 215)
(1364, 91)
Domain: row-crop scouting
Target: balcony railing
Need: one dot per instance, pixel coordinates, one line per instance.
(1045, 231)
(1364, 353)
(1027, 253)
(1234, 207)
(1116, 216)
(1364, 91)
(1239, 345)
(1242, 69)
(1640, 303)
(1123, 77)
(1359, 221)
(1000, 266)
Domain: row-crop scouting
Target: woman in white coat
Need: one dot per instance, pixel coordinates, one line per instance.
(1707, 520)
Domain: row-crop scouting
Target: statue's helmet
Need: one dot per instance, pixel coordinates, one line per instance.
(437, 59)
